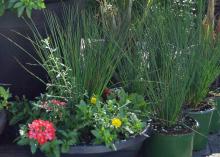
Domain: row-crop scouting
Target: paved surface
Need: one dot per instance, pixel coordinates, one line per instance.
(212, 149)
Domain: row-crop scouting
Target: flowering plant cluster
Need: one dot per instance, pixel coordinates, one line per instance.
(58, 124)
(41, 131)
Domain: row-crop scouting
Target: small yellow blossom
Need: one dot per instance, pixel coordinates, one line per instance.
(93, 100)
(116, 122)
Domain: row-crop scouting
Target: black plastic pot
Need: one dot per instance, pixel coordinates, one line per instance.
(3, 120)
(12, 74)
(129, 148)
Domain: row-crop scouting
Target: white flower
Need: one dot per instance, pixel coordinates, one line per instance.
(21, 132)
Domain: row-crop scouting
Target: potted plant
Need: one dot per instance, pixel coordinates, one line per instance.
(214, 93)
(159, 67)
(92, 127)
(206, 70)
(73, 115)
(4, 96)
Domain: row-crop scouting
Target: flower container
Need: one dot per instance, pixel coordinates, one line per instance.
(127, 148)
(3, 120)
(215, 123)
(12, 74)
(204, 120)
(169, 145)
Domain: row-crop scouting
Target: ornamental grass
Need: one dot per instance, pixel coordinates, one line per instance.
(160, 62)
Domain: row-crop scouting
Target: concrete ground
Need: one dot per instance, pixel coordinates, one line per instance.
(212, 149)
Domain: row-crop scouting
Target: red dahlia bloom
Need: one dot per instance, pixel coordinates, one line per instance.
(42, 131)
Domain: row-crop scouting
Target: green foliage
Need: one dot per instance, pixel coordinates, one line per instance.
(206, 52)
(206, 70)
(77, 58)
(161, 58)
(21, 111)
(125, 110)
(87, 122)
(4, 96)
(21, 6)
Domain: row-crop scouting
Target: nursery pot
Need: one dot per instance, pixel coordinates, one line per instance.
(215, 122)
(3, 120)
(129, 148)
(12, 75)
(126, 148)
(165, 145)
(201, 133)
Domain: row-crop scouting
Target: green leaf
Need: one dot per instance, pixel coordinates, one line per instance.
(17, 118)
(65, 148)
(23, 141)
(21, 11)
(18, 5)
(28, 12)
(45, 147)
(56, 152)
(34, 146)
(95, 133)
(11, 4)
(2, 8)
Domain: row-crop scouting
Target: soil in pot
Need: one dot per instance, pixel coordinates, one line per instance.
(215, 122)
(203, 115)
(176, 141)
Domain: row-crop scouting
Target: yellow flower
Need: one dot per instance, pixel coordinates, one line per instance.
(116, 122)
(93, 100)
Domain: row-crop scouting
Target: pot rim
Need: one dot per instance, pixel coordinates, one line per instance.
(120, 145)
(192, 130)
(214, 94)
(190, 111)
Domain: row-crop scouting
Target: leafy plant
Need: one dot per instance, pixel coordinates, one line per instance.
(21, 6)
(20, 111)
(4, 96)
(93, 121)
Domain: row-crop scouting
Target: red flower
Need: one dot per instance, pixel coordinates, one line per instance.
(58, 103)
(42, 131)
(107, 92)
